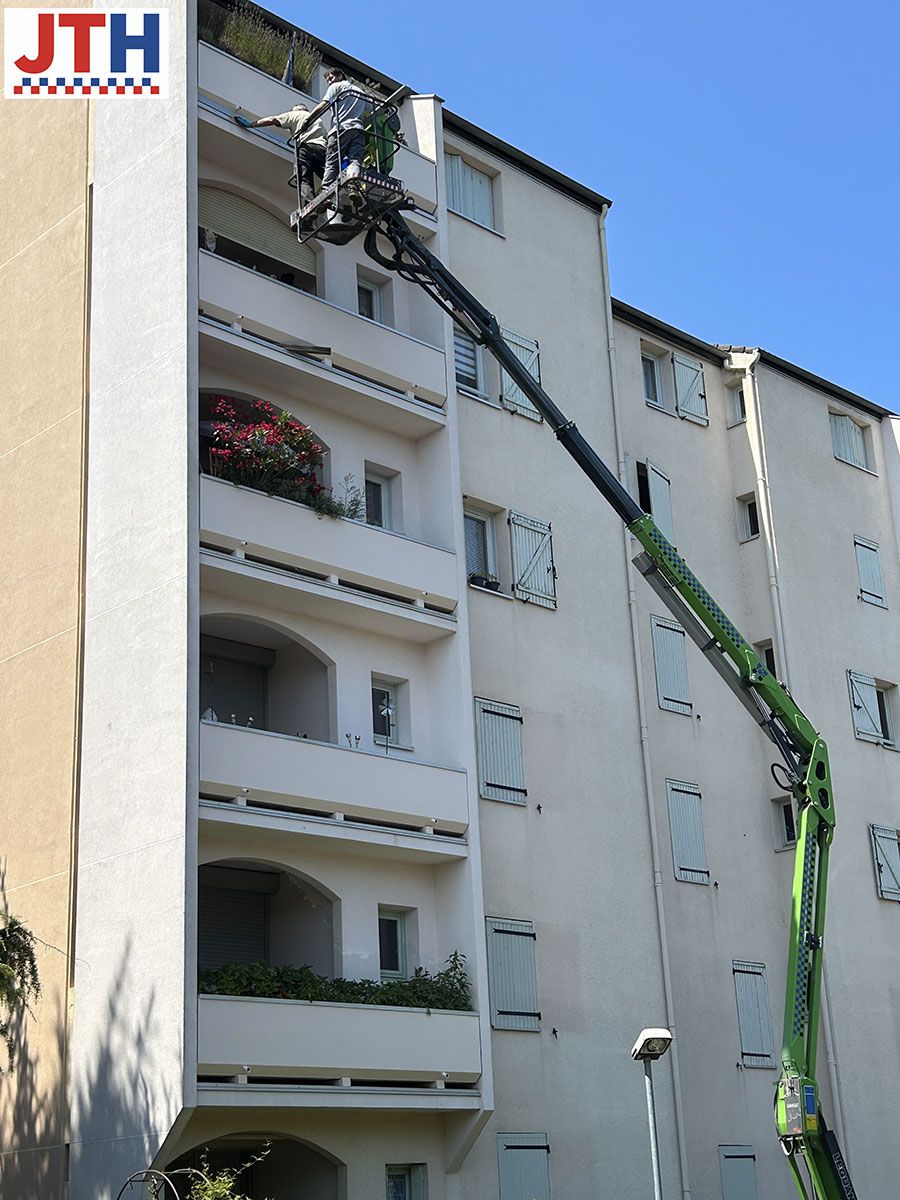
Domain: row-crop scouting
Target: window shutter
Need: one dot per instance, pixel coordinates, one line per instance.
(686, 824)
(233, 689)
(241, 221)
(690, 392)
(886, 849)
(661, 500)
(754, 1024)
(848, 440)
(534, 575)
(527, 352)
(511, 975)
(737, 1166)
(868, 566)
(864, 701)
(501, 769)
(469, 191)
(232, 927)
(467, 355)
(670, 660)
(524, 1160)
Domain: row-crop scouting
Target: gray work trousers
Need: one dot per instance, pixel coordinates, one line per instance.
(353, 146)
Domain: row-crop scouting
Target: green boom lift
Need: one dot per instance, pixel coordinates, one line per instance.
(805, 1138)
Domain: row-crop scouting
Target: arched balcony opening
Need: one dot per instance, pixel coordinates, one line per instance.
(261, 913)
(273, 1168)
(261, 677)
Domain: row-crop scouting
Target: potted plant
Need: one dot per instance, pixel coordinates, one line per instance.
(484, 579)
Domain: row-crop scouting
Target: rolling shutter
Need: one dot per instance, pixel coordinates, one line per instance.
(886, 849)
(241, 221)
(868, 566)
(690, 392)
(755, 1027)
(528, 353)
(512, 977)
(660, 500)
(864, 701)
(524, 1163)
(686, 824)
(232, 927)
(234, 691)
(501, 770)
(848, 440)
(670, 661)
(534, 575)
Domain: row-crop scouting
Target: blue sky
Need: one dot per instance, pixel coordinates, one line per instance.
(751, 151)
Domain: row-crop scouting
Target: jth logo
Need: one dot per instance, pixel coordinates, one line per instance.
(69, 52)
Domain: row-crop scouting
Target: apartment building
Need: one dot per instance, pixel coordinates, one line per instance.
(452, 721)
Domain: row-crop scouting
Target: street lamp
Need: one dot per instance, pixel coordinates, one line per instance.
(652, 1044)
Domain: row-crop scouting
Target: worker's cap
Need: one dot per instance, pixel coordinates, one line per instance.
(300, 108)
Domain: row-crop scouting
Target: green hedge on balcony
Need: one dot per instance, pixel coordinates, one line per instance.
(448, 988)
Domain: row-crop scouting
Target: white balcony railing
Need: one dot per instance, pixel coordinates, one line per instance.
(299, 1039)
(297, 773)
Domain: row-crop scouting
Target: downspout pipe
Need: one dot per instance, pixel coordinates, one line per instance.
(665, 964)
(743, 363)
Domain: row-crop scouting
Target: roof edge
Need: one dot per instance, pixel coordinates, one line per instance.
(642, 320)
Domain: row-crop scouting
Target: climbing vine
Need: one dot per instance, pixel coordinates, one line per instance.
(19, 981)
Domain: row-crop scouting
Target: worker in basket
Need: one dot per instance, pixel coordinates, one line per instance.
(351, 113)
(309, 135)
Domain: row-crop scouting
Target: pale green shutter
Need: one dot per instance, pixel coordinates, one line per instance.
(754, 1023)
(238, 219)
(690, 392)
(886, 849)
(737, 1166)
(670, 662)
(512, 976)
(868, 566)
(866, 713)
(527, 352)
(534, 575)
(848, 440)
(686, 825)
(524, 1166)
(501, 770)
(469, 191)
(660, 500)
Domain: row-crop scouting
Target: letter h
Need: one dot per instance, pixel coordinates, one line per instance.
(120, 42)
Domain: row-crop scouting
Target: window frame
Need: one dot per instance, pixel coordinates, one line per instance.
(480, 391)
(866, 596)
(745, 521)
(649, 473)
(375, 292)
(654, 362)
(416, 1176)
(887, 714)
(398, 917)
(865, 430)
(782, 838)
(467, 162)
(392, 688)
(766, 651)
(387, 483)
(737, 406)
(490, 543)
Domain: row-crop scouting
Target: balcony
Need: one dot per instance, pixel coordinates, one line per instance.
(294, 1040)
(298, 773)
(231, 293)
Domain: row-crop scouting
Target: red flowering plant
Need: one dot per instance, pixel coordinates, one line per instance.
(262, 447)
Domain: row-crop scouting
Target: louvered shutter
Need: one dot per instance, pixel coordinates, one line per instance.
(233, 690)
(868, 565)
(528, 353)
(754, 1024)
(686, 824)
(660, 500)
(524, 1166)
(848, 440)
(469, 191)
(886, 849)
(690, 391)
(501, 769)
(534, 575)
(512, 976)
(670, 661)
(241, 221)
(232, 927)
(864, 701)
(467, 355)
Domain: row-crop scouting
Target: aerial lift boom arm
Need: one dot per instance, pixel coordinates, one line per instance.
(804, 1136)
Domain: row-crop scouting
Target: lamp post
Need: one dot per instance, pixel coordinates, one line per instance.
(652, 1044)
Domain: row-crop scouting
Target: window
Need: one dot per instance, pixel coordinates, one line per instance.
(392, 943)
(501, 768)
(235, 228)
(737, 408)
(785, 824)
(686, 825)
(234, 682)
(849, 441)
(407, 1183)
(655, 496)
(470, 372)
(380, 497)
(369, 301)
(524, 1166)
(690, 391)
(873, 703)
(748, 518)
(653, 392)
(886, 851)
(384, 710)
(534, 575)
(512, 977)
(232, 915)
(528, 353)
(766, 652)
(670, 662)
(481, 559)
(470, 192)
(868, 568)
(754, 1023)
(737, 1167)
